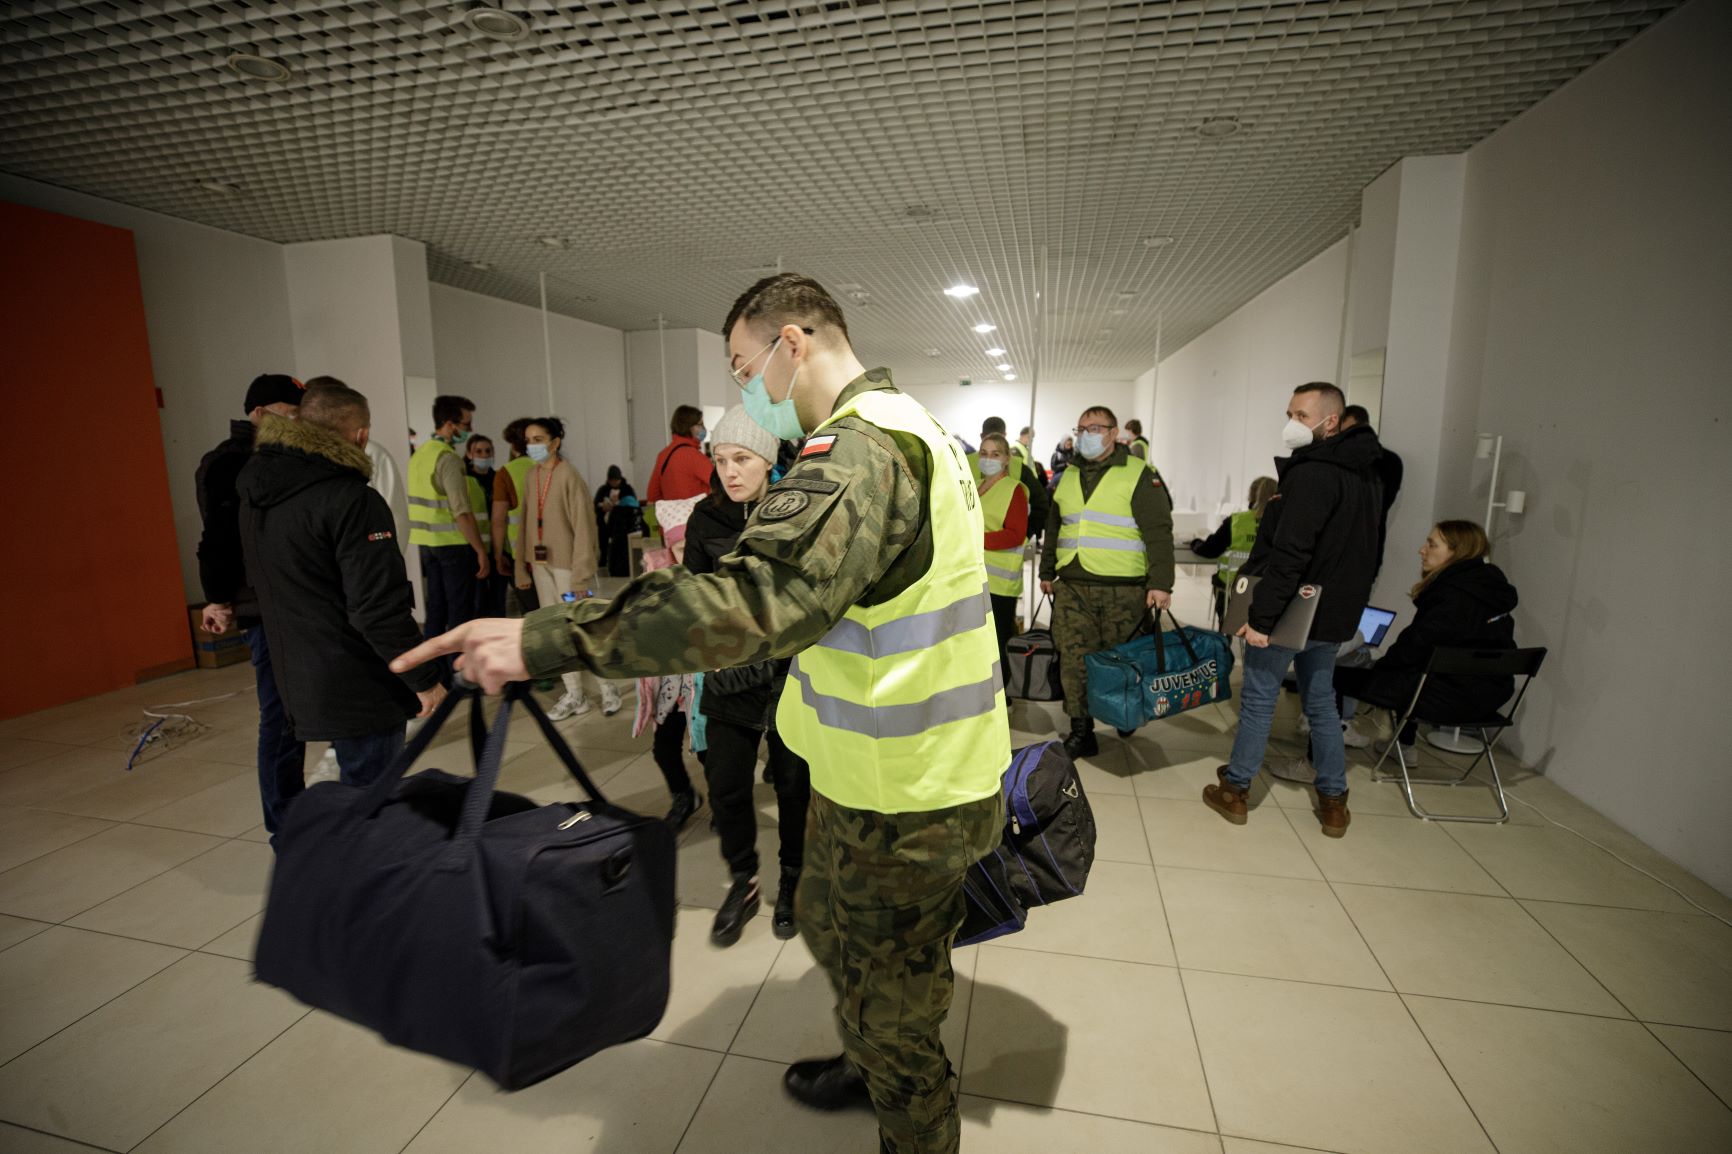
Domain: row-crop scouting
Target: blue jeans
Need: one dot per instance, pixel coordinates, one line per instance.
(282, 759)
(360, 760)
(1314, 668)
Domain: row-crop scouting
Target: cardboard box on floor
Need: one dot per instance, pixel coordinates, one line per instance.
(215, 650)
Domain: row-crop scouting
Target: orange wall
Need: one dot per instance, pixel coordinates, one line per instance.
(91, 585)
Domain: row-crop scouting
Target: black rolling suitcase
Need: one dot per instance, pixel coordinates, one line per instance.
(472, 924)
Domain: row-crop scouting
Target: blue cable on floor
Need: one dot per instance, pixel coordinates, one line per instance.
(143, 738)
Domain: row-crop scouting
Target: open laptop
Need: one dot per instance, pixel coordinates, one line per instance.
(1374, 624)
(1293, 629)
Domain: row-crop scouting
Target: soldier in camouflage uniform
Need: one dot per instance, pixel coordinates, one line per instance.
(1107, 559)
(850, 527)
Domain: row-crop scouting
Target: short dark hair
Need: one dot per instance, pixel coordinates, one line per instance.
(513, 433)
(1112, 418)
(685, 419)
(1334, 401)
(787, 299)
(1358, 414)
(1134, 427)
(992, 425)
(477, 439)
(552, 426)
(335, 406)
(450, 410)
(325, 383)
(1027, 431)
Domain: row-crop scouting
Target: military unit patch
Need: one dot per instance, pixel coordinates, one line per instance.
(783, 504)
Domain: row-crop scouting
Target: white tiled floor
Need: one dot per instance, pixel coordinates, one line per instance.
(1218, 990)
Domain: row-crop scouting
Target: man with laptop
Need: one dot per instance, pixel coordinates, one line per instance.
(1301, 594)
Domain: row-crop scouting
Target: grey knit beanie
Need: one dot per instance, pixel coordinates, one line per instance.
(736, 428)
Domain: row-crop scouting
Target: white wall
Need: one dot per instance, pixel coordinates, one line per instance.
(1592, 332)
(491, 351)
(1220, 400)
(216, 307)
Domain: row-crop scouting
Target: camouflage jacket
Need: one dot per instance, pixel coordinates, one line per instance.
(848, 525)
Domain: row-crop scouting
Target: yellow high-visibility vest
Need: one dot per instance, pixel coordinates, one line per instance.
(518, 468)
(1239, 547)
(431, 521)
(1003, 566)
(900, 707)
(1101, 531)
(482, 505)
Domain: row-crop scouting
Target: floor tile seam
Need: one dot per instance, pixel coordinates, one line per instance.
(439, 1109)
(1679, 1058)
(1608, 906)
(68, 845)
(1447, 1072)
(226, 1076)
(61, 1137)
(1501, 891)
(104, 1004)
(781, 946)
(1190, 1017)
(1571, 954)
(709, 1088)
(143, 881)
(1631, 1020)
(962, 1090)
(1605, 853)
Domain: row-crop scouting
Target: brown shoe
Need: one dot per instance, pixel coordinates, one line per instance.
(1226, 799)
(1332, 815)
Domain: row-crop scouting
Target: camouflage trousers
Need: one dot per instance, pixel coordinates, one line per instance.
(879, 901)
(1087, 618)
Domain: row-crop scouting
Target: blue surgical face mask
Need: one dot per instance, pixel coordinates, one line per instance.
(537, 452)
(482, 464)
(1091, 445)
(778, 417)
(991, 467)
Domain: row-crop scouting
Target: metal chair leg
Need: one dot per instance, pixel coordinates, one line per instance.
(1419, 811)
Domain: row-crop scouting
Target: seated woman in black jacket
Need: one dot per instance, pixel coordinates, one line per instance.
(1461, 600)
(739, 704)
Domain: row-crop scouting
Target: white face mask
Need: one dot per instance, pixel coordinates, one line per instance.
(990, 467)
(1296, 434)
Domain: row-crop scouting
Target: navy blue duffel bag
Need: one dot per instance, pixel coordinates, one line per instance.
(469, 923)
(1156, 675)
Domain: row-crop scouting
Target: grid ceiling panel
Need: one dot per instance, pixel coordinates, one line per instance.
(890, 149)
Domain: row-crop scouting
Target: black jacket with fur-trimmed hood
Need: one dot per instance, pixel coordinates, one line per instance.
(322, 553)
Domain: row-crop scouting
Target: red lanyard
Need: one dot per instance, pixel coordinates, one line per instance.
(542, 485)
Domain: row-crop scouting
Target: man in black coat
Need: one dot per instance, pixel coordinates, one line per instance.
(228, 594)
(1318, 537)
(321, 547)
(1389, 473)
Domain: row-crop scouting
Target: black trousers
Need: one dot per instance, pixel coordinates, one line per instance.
(1004, 619)
(448, 581)
(669, 749)
(731, 765)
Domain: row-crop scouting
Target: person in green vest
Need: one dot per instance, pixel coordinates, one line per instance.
(1139, 444)
(864, 564)
(1230, 543)
(1022, 471)
(1107, 559)
(442, 522)
(507, 515)
(1004, 506)
(478, 465)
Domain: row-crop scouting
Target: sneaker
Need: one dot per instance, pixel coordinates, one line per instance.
(1304, 724)
(1298, 770)
(686, 803)
(609, 700)
(1352, 738)
(326, 770)
(738, 909)
(1226, 799)
(782, 922)
(1332, 815)
(571, 705)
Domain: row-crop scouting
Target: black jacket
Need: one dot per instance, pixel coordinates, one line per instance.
(1039, 500)
(336, 601)
(1468, 604)
(1320, 529)
(221, 570)
(1389, 471)
(747, 694)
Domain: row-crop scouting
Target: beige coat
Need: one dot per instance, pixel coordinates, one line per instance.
(566, 525)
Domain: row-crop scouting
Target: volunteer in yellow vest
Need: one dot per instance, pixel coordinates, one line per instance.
(1230, 543)
(1107, 559)
(478, 465)
(507, 516)
(1139, 444)
(1004, 505)
(1021, 470)
(864, 563)
(442, 522)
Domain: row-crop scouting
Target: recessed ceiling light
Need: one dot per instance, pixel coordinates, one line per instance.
(1218, 127)
(961, 291)
(983, 327)
(1157, 241)
(1003, 368)
(480, 265)
(553, 242)
(1010, 376)
(934, 353)
(220, 187)
(496, 24)
(995, 352)
(249, 66)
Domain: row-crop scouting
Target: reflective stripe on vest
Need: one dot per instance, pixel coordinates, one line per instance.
(900, 707)
(1003, 566)
(519, 468)
(1239, 547)
(430, 518)
(479, 504)
(1106, 539)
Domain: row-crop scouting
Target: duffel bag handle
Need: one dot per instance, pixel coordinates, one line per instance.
(380, 791)
(523, 691)
(1160, 639)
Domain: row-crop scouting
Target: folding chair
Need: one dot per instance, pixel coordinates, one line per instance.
(1522, 663)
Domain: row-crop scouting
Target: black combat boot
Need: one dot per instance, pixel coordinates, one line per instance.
(1081, 742)
(738, 909)
(826, 1084)
(686, 803)
(782, 922)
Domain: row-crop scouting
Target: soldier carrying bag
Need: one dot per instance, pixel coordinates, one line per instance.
(1156, 674)
(470, 923)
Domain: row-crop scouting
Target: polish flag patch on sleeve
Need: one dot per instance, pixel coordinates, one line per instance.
(818, 446)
